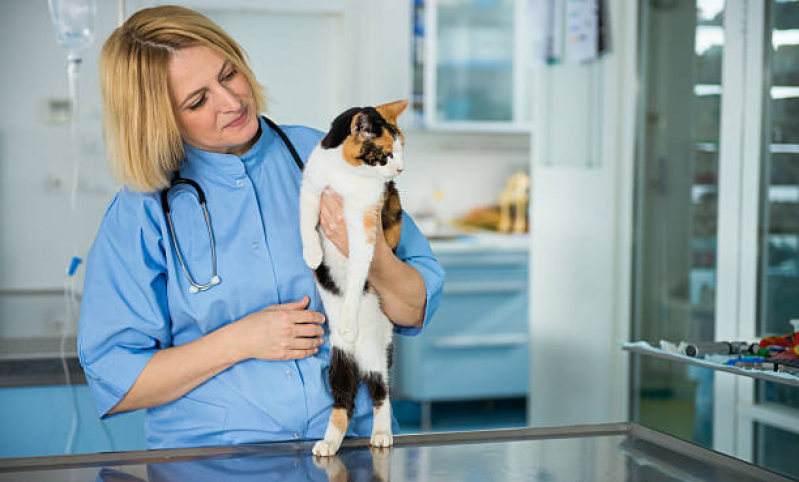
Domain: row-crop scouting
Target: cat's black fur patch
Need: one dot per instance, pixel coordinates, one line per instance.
(343, 380)
(340, 127)
(388, 218)
(372, 155)
(390, 354)
(377, 388)
(326, 280)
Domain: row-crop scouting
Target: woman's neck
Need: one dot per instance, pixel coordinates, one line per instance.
(242, 149)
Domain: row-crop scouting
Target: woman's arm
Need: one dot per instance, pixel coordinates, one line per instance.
(403, 294)
(280, 332)
(401, 288)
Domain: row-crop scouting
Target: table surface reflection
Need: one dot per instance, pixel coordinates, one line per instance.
(607, 452)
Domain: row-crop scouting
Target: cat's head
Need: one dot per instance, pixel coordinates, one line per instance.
(370, 138)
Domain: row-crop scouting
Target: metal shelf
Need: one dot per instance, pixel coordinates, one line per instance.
(644, 348)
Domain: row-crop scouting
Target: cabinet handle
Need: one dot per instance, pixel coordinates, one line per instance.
(507, 340)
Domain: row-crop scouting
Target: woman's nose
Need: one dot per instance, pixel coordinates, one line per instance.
(229, 101)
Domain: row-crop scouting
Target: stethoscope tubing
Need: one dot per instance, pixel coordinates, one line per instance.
(215, 279)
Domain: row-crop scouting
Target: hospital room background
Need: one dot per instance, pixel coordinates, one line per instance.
(586, 185)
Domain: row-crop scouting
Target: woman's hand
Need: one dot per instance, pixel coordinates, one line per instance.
(331, 217)
(280, 332)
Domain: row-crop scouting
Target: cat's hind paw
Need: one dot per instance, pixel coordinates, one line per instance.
(381, 439)
(312, 256)
(323, 448)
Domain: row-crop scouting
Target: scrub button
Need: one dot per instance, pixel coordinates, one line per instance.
(240, 183)
(296, 464)
(255, 246)
(288, 373)
(296, 435)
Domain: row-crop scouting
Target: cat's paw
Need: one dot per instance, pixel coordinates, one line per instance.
(381, 439)
(312, 253)
(323, 448)
(333, 467)
(348, 335)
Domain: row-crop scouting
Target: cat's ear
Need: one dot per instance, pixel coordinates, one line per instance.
(392, 110)
(361, 127)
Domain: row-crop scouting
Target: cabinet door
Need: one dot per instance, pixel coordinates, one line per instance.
(473, 78)
(477, 345)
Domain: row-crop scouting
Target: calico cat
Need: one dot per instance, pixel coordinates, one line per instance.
(358, 158)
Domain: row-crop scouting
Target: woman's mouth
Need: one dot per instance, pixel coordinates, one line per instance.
(238, 120)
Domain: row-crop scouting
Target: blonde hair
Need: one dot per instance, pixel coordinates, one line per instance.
(142, 136)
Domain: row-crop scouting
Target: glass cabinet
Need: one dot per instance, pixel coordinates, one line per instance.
(469, 65)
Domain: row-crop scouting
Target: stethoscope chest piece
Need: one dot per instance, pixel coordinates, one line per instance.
(194, 287)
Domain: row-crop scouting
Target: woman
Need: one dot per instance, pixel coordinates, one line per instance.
(246, 360)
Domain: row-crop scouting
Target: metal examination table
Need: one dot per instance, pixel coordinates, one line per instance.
(607, 452)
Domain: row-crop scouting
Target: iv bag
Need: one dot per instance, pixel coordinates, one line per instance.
(73, 22)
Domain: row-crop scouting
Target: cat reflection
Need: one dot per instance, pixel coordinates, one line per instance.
(353, 465)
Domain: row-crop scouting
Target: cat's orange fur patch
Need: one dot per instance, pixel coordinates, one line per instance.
(339, 419)
(353, 144)
(370, 224)
(392, 110)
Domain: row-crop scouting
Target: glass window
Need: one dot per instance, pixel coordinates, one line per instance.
(677, 210)
(779, 222)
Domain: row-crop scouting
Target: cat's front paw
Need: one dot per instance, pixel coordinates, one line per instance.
(381, 439)
(312, 253)
(323, 448)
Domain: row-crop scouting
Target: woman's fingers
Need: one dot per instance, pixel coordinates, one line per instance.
(298, 354)
(292, 305)
(308, 330)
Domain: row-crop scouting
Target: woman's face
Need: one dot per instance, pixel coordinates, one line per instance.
(212, 101)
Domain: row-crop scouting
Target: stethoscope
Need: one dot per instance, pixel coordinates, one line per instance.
(215, 279)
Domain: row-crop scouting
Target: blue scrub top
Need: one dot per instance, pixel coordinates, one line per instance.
(136, 298)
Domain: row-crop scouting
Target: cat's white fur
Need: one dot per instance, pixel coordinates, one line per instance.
(357, 323)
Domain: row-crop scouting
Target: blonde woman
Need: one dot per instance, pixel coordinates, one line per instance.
(208, 317)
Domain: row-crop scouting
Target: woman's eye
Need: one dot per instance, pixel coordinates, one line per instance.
(230, 74)
(198, 104)
(390, 155)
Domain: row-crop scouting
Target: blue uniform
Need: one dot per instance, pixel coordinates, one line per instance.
(136, 298)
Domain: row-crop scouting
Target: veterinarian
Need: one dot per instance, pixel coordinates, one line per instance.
(209, 317)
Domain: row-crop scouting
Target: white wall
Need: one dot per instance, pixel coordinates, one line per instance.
(581, 225)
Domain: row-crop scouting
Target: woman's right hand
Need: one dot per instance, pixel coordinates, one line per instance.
(279, 332)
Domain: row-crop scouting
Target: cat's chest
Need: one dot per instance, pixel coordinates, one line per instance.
(356, 190)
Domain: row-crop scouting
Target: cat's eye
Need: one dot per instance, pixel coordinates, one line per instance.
(390, 155)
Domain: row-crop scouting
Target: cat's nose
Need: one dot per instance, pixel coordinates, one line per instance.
(399, 171)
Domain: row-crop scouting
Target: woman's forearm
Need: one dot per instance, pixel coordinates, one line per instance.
(402, 291)
(173, 372)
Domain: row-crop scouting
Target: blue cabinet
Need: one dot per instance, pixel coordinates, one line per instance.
(477, 344)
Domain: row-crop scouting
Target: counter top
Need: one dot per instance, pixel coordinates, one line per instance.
(37, 361)
(481, 242)
(603, 453)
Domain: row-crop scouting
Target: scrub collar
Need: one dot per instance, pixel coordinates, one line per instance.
(229, 166)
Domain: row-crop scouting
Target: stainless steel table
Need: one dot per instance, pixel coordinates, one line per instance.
(607, 452)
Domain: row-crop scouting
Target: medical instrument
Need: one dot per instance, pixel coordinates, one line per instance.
(215, 279)
(718, 348)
